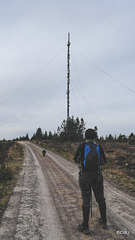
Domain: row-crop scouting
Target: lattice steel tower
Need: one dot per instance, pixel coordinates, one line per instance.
(68, 74)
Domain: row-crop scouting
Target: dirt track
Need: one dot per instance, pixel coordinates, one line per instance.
(46, 204)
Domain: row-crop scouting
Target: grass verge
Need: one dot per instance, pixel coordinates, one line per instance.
(10, 174)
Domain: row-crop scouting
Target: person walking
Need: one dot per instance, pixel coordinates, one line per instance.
(91, 156)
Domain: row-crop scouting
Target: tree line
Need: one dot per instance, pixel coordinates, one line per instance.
(70, 130)
(121, 138)
(73, 130)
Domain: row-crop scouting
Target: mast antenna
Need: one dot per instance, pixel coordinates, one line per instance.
(68, 74)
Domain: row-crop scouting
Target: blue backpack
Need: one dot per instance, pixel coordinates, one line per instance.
(91, 157)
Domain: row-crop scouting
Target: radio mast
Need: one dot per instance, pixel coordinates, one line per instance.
(68, 74)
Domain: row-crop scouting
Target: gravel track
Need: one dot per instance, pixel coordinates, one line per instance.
(46, 203)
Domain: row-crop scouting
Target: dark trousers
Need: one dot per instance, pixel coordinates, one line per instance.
(92, 181)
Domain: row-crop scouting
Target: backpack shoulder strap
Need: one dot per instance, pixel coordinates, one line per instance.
(86, 151)
(98, 151)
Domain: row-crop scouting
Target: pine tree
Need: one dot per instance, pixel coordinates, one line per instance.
(38, 134)
(72, 130)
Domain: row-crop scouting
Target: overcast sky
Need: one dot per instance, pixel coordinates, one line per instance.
(33, 60)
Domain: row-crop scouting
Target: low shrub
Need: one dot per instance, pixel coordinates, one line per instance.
(6, 174)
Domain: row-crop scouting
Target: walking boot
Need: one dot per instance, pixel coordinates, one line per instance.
(84, 229)
(102, 223)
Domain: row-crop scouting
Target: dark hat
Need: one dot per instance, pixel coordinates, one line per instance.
(90, 133)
